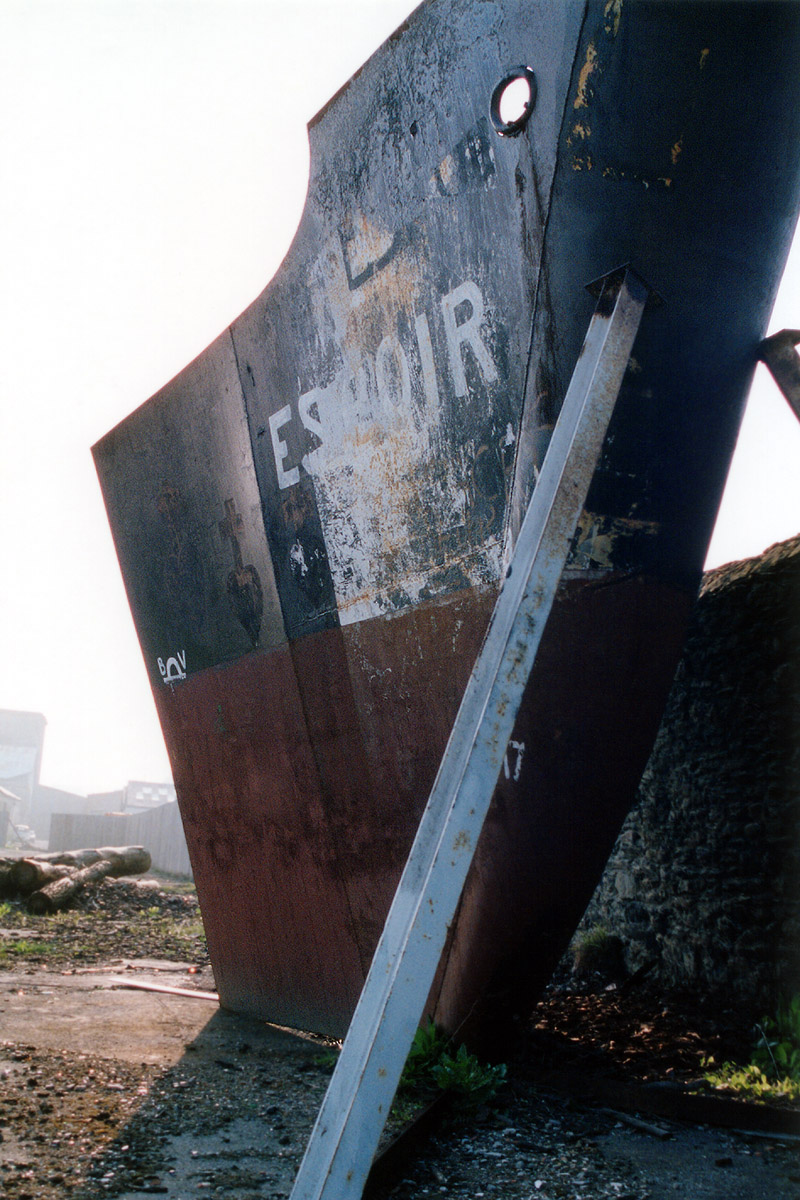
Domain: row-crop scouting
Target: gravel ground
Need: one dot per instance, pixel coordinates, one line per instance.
(227, 1108)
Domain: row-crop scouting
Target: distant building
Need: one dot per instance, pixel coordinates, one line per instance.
(142, 810)
(21, 742)
(136, 796)
(140, 796)
(7, 801)
(49, 800)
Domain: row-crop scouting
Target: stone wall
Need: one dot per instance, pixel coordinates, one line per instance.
(704, 881)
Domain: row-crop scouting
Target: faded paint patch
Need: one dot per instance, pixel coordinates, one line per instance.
(407, 514)
(612, 14)
(620, 176)
(580, 132)
(366, 249)
(582, 162)
(608, 543)
(590, 64)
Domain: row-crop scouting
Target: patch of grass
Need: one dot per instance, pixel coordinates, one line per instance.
(192, 929)
(68, 916)
(773, 1072)
(327, 1060)
(599, 950)
(24, 948)
(5, 909)
(748, 1082)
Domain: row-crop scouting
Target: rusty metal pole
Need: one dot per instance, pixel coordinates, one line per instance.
(359, 1096)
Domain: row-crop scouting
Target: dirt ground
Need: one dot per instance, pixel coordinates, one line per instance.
(107, 1090)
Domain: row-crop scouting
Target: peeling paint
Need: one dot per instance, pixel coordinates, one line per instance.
(580, 131)
(620, 176)
(612, 13)
(608, 543)
(404, 516)
(582, 98)
(583, 162)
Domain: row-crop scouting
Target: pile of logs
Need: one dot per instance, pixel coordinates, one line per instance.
(50, 881)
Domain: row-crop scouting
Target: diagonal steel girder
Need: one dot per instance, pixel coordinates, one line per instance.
(357, 1102)
(780, 354)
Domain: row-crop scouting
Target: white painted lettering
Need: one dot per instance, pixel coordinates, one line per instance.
(387, 372)
(425, 345)
(280, 449)
(392, 375)
(466, 333)
(304, 405)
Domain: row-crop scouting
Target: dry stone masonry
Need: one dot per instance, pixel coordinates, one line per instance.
(704, 880)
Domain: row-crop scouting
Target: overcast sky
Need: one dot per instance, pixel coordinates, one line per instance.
(154, 161)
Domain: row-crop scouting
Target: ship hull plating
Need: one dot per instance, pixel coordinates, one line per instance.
(313, 518)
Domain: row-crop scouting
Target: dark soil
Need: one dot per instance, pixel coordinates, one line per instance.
(231, 1111)
(640, 1035)
(115, 920)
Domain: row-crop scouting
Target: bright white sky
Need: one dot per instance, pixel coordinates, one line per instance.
(154, 161)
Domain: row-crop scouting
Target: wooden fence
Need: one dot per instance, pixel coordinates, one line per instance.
(159, 830)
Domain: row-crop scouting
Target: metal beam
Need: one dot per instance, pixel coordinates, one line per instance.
(780, 355)
(360, 1093)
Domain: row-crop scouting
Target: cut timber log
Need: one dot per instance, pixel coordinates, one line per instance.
(7, 887)
(57, 894)
(136, 858)
(28, 874)
(112, 860)
(124, 860)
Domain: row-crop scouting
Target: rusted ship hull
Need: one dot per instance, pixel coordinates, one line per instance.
(313, 518)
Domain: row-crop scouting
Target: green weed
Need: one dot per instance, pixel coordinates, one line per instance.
(777, 1050)
(472, 1082)
(749, 1082)
(427, 1049)
(327, 1060)
(24, 947)
(773, 1072)
(431, 1068)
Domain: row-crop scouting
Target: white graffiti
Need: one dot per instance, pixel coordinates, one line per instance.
(298, 558)
(174, 670)
(518, 749)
